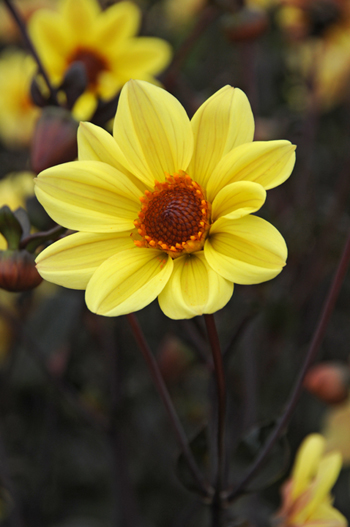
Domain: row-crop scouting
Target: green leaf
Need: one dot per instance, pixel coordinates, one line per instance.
(10, 227)
(248, 449)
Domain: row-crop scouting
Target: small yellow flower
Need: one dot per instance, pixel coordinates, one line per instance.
(306, 495)
(18, 113)
(193, 235)
(104, 41)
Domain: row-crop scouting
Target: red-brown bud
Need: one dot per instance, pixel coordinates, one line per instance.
(246, 25)
(54, 139)
(18, 271)
(173, 358)
(329, 381)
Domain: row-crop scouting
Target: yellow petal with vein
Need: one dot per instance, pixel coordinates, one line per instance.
(268, 163)
(245, 251)
(96, 144)
(128, 281)
(194, 289)
(90, 196)
(237, 200)
(222, 123)
(71, 262)
(153, 131)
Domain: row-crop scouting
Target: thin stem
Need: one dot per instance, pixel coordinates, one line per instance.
(22, 27)
(325, 316)
(221, 402)
(203, 486)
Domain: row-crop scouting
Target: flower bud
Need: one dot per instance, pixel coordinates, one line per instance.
(329, 381)
(18, 271)
(54, 139)
(246, 25)
(173, 358)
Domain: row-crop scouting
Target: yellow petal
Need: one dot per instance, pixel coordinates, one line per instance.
(85, 106)
(88, 195)
(140, 56)
(81, 16)
(327, 516)
(71, 262)
(306, 463)
(194, 289)
(327, 474)
(117, 23)
(95, 144)
(245, 251)
(128, 281)
(54, 43)
(153, 131)
(336, 430)
(268, 163)
(222, 123)
(237, 200)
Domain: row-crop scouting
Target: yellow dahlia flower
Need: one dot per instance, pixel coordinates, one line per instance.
(18, 113)
(163, 207)
(104, 41)
(306, 495)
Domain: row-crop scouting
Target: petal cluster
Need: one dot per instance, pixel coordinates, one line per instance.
(306, 495)
(105, 43)
(99, 196)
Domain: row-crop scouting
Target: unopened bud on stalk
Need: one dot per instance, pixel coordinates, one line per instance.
(54, 139)
(18, 271)
(329, 381)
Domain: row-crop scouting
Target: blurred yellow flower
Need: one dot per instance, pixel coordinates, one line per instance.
(14, 190)
(306, 495)
(18, 113)
(328, 61)
(336, 430)
(193, 234)
(104, 41)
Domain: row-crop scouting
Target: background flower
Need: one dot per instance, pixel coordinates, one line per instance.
(306, 495)
(103, 41)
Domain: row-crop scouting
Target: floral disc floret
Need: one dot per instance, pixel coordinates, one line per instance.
(175, 217)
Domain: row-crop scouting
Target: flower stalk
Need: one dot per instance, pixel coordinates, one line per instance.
(22, 27)
(221, 410)
(180, 435)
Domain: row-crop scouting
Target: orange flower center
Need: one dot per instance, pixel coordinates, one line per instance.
(92, 62)
(174, 217)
